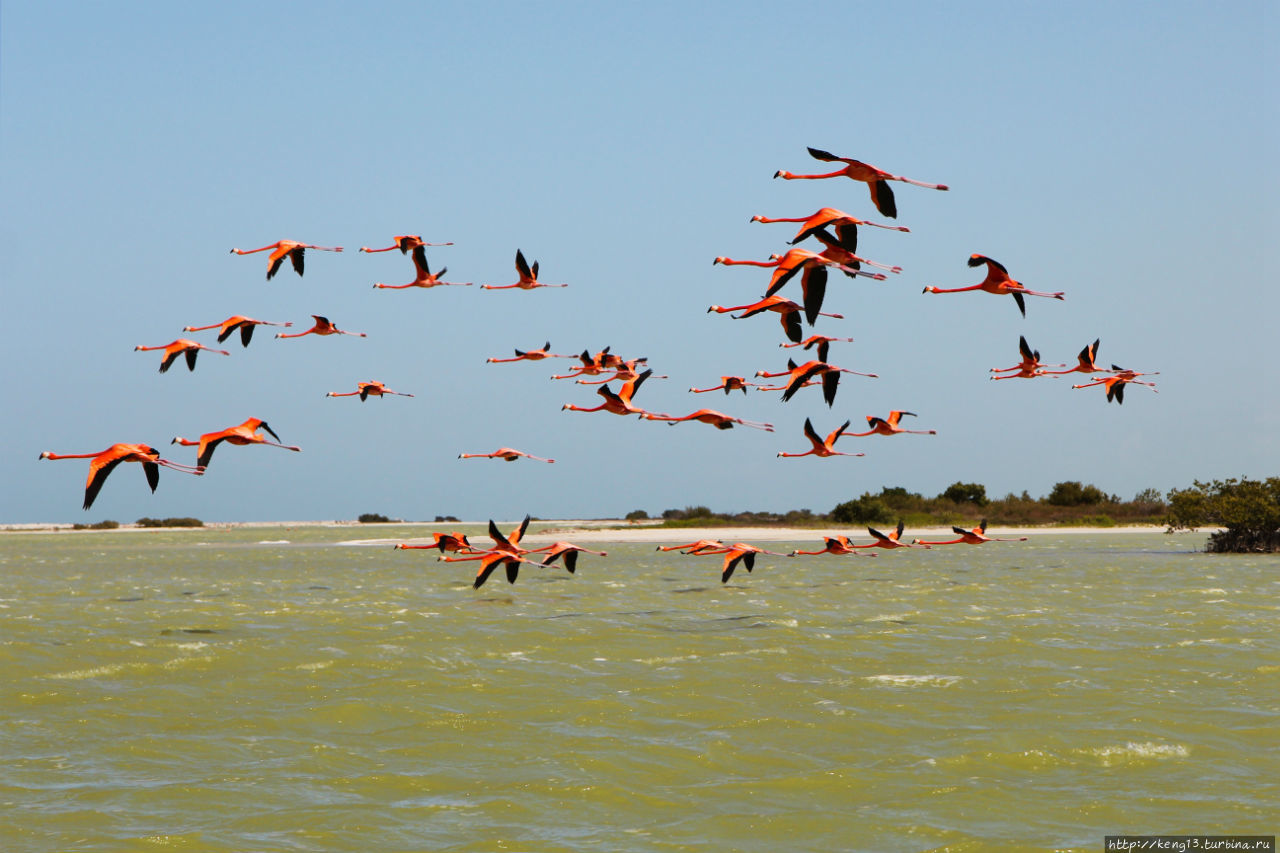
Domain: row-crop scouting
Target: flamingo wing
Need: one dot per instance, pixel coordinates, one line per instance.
(191, 358)
(830, 382)
(825, 156)
(298, 258)
(522, 266)
(882, 197)
(791, 325)
(1022, 304)
(814, 286)
(98, 473)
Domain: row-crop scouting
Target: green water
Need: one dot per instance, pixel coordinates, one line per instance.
(208, 690)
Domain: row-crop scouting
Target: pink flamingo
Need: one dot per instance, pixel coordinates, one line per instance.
(322, 326)
(617, 404)
(822, 447)
(889, 426)
(568, 551)
(229, 325)
(824, 217)
(1115, 384)
(504, 453)
(997, 282)
(1085, 361)
(365, 390)
(788, 312)
(295, 252)
(105, 461)
(976, 536)
(183, 347)
(1030, 365)
(528, 279)
(719, 420)
(530, 355)
(727, 384)
(242, 434)
(875, 179)
(891, 540)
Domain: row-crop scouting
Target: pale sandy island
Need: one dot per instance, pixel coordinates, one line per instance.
(608, 530)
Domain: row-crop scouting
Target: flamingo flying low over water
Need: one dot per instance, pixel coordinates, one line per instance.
(693, 547)
(295, 252)
(891, 540)
(824, 217)
(182, 347)
(105, 461)
(566, 550)
(455, 541)
(506, 552)
(822, 447)
(976, 536)
(738, 552)
(875, 179)
(528, 279)
(838, 545)
(889, 426)
(1115, 384)
(506, 454)
(229, 325)
(242, 434)
(997, 282)
(365, 390)
(322, 326)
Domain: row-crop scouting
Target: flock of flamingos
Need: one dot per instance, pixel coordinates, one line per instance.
(836, 230)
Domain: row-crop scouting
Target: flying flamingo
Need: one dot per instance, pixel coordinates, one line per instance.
(456, 542)
(892, 540)
(568, 551)
(229, 325)
(1115, 384)
(813, 283)
(506, 552)
(1085, 361)
(624, 372)
(365, 390)
(528, 277)
(504, 453)
(1030, 365)
(838, 545)
(719, 420)
(976, 536)
(423, 277)
(405, 243)
(824, 217)
(530, 355)
(799, 376)
(821, 447)
(813, 340)
(322, 327)
(104, 462)
(738, 552)
(693, 547)
(998, 282)
(727, 383)
(617, 404)
(594, 365)
(295, 252)
(889, 426)
(183, 347)
(875, 179)
(245, 433)
(788, 312)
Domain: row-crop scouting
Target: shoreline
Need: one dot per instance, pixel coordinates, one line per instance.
(589, 530)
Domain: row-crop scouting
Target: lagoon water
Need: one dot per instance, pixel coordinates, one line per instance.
(292, 690)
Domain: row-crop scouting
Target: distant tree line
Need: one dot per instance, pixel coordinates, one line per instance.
(1068, 503)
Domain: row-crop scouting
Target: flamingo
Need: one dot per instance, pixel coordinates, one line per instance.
(322, 327)
(594, 365)
(1085, 361)
(1115, 384)
(875, 179)
(617, 404)
(229, 325)
(424, 277)
(624, 372)
(799, 376)
(738, 552)
(405, 243)
(456, 542)
(528, 277)
(1030, 365)
(892, 540)
(813, 282)
(245, 433)
(365, 390)
(788, 312)
(530, 355)
(838, 545)
(693, 547)
(506, 454)
(889, 426)
(727, 383)
(182, 347)
(295, 252)
(813, 340)
(824, 217)
(719, 420)
(998, 282)
(105, 461)
(506, 552)
(568, 551)
(976, 536)
(821, 447)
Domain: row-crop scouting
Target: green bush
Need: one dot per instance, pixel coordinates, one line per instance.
(373, 518)
(637, 515)
(169, 522)
(1072, 493)
(1248, 509)
(974, 493)
(106, 524)
(867, 509)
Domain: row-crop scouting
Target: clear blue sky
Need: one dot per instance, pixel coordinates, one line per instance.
(1123, 153)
